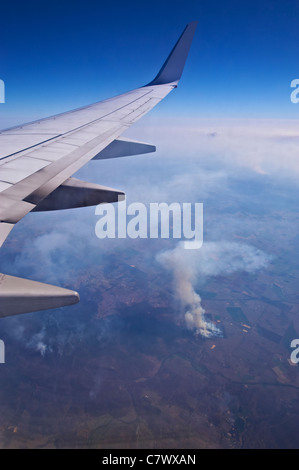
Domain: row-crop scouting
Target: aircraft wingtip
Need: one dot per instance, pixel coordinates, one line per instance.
(172, 68)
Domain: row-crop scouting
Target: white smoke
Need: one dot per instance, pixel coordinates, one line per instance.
(191, 266)
(37, 343)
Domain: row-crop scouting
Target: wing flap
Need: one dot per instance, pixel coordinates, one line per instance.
(76, 193)
(124, 148)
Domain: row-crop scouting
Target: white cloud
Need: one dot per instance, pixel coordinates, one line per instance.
(263, 146)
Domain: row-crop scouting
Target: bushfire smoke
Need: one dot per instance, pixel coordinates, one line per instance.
(212, 259)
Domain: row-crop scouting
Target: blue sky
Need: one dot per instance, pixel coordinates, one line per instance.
(59, 55)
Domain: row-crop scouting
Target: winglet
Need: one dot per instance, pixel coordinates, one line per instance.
(172, 68)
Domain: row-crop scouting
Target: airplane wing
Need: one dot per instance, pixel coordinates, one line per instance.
(38, 159)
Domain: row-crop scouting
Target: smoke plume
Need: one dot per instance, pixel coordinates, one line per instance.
(189, 267)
